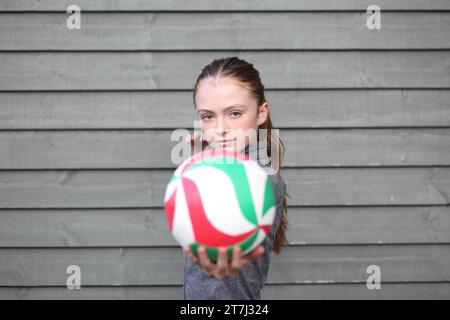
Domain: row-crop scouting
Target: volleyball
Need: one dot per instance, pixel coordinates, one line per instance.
(219, 199)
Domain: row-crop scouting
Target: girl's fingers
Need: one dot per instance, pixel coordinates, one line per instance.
(190, 138)
(236, 261)
(190, 254)
(222, 264)
(223, 268)
(204, 260)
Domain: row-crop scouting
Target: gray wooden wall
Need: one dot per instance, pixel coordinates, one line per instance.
(86, 117)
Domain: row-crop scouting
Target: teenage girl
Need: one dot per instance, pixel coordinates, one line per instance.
(229, 95)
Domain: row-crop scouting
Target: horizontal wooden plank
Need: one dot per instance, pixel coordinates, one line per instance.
(224, 31)
(164, 266)
(145, 188)
(217, 5)
(175, 109)
(179, 70)
(93, 293)
(149, 227)
(405, 291)
(81, 110)
(350, 291)
(315, 148)
(366, 225)
(85, 228)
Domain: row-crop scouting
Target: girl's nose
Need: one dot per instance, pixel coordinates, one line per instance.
(221, 127)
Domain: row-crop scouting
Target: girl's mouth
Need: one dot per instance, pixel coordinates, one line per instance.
(224, 141)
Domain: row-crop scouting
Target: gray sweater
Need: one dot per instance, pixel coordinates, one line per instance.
(248, 282)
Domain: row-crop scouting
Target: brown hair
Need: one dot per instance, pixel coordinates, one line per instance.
(249, 78)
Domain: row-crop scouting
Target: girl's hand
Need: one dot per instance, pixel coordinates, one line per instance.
(223, 267)
(192, 138)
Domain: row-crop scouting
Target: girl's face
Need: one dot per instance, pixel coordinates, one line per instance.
(223, 107)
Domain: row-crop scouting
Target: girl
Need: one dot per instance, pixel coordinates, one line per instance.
(228, 96)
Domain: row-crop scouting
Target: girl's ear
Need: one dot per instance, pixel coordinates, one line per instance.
(263, 113)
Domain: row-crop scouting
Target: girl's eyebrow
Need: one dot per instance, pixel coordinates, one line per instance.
(224, 110)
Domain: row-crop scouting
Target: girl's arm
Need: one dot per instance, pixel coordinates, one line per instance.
(222, 267)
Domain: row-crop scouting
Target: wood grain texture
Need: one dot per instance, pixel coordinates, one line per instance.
(225, 31)
(86, 117)
(352, 291)
(335, 291)
(166, 149)
(145, 188)
(217, 5)
(164, 266)
(178, 70)
(175, 109)
(149, 227)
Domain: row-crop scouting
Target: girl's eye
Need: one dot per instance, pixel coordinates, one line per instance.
(236, 114)
(206, 117)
